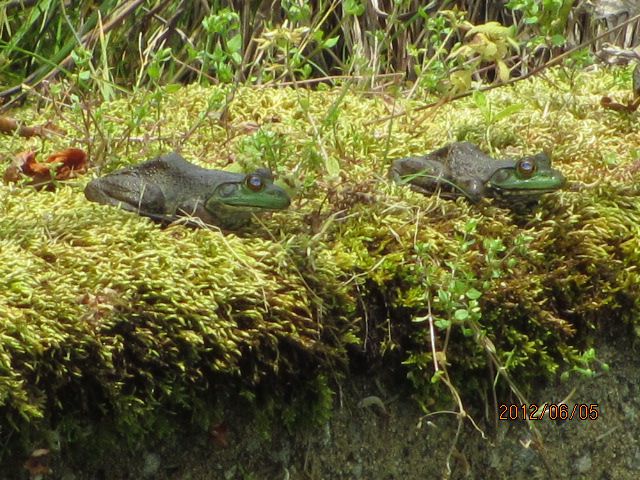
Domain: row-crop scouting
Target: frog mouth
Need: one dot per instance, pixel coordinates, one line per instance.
(524, 192)
(248, 207)
(240, 206)
(531, 189)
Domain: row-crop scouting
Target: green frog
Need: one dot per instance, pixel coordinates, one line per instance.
(169, 187)
(461, 168)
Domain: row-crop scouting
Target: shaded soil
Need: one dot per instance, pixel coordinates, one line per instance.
(379, 434)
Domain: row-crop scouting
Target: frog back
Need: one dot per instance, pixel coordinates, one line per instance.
(181, 181)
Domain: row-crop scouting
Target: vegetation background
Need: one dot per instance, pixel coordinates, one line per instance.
(116, 74)
(120, 45)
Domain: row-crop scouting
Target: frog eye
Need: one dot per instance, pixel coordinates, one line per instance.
(526, 167)
(254, 182)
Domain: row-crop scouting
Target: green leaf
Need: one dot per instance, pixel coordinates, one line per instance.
(235, 43)
(420, 319)
(472, 224)
(172, 88)
(442, 324)
(480, 99)
(436, 376)
(306, 70)
(331, 42)
(444, 296)
(473, 294)
(461, 314)
(353, 7)
(503, 71)
(333, 166)
(461, 80)
(508, 111)
(490, 51)
(493, 29)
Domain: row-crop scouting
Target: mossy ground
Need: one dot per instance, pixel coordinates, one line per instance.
(107, 319)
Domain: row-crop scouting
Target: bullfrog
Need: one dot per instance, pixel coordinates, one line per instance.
(168, 187)
(461, 168)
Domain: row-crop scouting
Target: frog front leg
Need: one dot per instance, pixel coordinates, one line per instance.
(472, 188)
(213, 213)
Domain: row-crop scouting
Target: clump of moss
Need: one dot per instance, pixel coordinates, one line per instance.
(104, 314)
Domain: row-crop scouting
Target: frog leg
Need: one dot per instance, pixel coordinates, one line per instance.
(214, 214)
(128, 191)
(423, 175)
(472, 188)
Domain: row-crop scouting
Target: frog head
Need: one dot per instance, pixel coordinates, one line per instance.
(253, 191)
(527, 177)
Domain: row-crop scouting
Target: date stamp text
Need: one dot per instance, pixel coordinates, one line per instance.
(552, 411)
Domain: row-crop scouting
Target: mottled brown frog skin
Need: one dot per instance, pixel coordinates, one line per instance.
(461, 168)
(169, 187)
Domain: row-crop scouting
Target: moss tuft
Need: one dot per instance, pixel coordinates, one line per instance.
(109, 323)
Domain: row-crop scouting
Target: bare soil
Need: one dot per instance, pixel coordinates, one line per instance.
(380, 434)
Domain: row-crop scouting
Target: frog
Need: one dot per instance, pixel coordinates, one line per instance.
(461, 168)
(168, 187)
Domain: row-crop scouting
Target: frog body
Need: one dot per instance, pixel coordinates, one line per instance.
(169, 187)
(461, 168)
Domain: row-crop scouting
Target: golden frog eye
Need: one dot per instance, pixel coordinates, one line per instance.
(254, 182)
(526, 167)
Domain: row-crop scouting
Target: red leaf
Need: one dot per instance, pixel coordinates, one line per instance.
(70, 162)
(72, 159)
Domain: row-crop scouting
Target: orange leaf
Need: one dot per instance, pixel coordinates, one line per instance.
(72, 159)
(13, 171)
(69, 162)
(31, 167)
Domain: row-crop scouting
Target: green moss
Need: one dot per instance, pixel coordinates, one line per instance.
(105, 315)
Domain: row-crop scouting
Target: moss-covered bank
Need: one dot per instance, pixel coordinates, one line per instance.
(109, 323)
